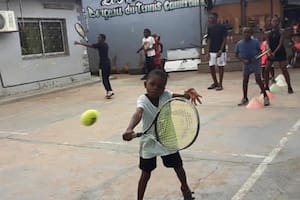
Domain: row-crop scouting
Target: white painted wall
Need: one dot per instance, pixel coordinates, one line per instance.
(19, 74)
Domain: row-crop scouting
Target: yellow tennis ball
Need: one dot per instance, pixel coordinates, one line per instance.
(89, 117)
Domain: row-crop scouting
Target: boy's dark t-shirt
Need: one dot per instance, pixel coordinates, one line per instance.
(274, 40)
(216, 34)
(248, 49)
(103, 52)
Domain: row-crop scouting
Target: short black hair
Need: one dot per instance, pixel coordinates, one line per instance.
(158, 72)
(103, 36)
(147, 30)
(247, 28)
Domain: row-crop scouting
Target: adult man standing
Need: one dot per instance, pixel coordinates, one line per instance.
(216, 41)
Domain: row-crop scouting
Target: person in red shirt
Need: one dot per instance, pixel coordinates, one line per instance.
(296, 49)
(158, 47)
(264, 58)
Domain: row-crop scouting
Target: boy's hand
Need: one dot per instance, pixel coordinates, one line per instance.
(272, 55)
(208, 56)
(193, 95)
(127, 136)
(246, 61)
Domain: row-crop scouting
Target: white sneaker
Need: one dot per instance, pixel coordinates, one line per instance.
(289, 66)
(109, 94)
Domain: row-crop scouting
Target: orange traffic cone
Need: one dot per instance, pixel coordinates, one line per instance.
(254, 104)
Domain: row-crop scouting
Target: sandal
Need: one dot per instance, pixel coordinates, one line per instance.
(219, 88)
(243, 102)
(212, 86)
(266, 101)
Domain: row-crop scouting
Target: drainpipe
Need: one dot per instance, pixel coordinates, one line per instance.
(7, 6)
(1, 80)
(271, 8)
(200, 19)
(243, 13)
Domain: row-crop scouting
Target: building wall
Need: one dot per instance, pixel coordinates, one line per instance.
(19, 74)
(179, 28)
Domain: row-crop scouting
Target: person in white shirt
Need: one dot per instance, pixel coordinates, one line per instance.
(147, 106)
(148, 47)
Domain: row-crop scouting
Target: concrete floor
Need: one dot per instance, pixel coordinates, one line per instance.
(45, 153)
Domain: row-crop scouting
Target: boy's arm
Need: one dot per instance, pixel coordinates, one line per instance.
(223, 42)
(140, 49)
(258, 47)
(280, 42)
(236, 51)
(135, 119)
(243, 60)
(222, 47)
(83, 44)
(190, 94)
(207, 47)
(161, 47)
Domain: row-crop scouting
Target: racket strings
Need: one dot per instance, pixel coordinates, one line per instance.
(177, 125)
(80, 30)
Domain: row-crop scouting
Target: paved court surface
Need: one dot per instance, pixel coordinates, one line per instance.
(240, 154)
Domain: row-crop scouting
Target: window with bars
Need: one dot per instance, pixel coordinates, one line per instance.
(42, 37)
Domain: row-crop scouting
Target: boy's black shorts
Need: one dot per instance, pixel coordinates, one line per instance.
(170, 161)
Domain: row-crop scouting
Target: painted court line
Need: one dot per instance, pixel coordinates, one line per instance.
(192, 151)
(264, 164)
(13, 133)
(228, 154)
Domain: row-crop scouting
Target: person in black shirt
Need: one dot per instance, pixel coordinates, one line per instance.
(278, 53)
(104, 63)
(216, 38)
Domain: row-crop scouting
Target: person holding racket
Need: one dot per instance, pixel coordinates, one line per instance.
(266, 32)
(147, 107)
(263, 60)
(148, 47)
(104, 63)
(246, 50)
(278, 53)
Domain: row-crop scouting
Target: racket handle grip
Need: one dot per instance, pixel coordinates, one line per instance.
(135, 135)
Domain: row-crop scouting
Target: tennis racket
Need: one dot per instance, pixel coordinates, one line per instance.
(81, 32)
(268, 51)
(176, 124)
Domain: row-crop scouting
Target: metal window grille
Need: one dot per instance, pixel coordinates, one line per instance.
(41, 37)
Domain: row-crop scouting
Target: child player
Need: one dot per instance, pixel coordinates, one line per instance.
(246, 50)
(264, 58)
(158, 47)
(278, 53)
(296, 49)
(147, 106)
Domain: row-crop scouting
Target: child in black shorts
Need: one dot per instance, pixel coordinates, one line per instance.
(147, 106)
